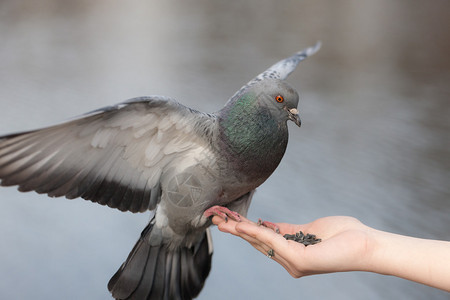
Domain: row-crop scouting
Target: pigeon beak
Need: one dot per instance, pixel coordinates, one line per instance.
(294, 117)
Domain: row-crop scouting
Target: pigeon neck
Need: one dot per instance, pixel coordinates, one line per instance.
(255, 140)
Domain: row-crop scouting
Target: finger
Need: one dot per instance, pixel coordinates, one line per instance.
(277, 257)
(261, 233)
(264, 247)
(217, 220)
(230, 225)
(249, 239)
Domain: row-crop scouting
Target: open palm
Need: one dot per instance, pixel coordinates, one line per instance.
(344, 244)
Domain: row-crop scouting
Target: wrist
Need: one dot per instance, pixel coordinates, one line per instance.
(420, 260)
(377, 259)
(372, 251)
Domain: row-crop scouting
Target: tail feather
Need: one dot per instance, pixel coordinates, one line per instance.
(142, 291)
(130, 273)
(157, 287)
(188, 278)
(173, 263)
(159, 272)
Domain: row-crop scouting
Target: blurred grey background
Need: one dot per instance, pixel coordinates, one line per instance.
(375, 104)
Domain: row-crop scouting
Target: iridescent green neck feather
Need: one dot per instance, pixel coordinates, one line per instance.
(253, 138)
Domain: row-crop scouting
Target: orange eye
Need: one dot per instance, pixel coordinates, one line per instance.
(279, 98)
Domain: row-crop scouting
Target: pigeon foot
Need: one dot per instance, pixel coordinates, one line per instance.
(268, 224)
(222, 212)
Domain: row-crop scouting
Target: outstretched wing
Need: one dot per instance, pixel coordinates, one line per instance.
(114, 156)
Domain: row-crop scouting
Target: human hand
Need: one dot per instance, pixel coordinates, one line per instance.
(346, 244)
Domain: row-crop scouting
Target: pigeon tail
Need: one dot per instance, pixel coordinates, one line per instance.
(159, 272)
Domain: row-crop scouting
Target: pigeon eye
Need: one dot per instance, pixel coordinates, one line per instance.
(279, 98)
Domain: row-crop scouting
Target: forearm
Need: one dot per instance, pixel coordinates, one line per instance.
(419, 260)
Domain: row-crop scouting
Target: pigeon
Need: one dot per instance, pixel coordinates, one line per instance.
(154, 154)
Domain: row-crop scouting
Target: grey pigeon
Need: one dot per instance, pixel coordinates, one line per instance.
(152, 153)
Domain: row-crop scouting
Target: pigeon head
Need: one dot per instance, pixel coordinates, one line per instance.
(269, 90)
(265, 104)
(278, 97)
(252, 126)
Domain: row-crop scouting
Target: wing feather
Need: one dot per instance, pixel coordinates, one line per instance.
(281, 69)
(114, 156)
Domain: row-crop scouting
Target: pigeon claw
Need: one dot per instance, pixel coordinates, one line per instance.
(268, 224)
(222, 212)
